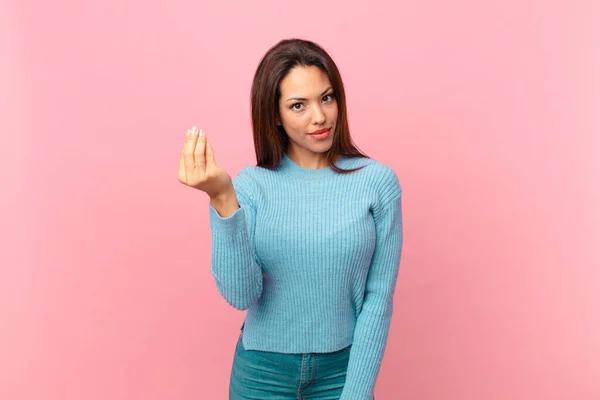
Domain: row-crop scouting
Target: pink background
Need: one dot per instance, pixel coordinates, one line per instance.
(487, 110)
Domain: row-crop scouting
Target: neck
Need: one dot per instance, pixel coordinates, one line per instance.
(312, 161)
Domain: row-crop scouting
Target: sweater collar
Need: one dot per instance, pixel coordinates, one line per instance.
(290, 167)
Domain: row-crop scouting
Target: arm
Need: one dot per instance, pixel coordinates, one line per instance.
(237, 275)
(373, 322)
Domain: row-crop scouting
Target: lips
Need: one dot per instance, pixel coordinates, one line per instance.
(319, 131)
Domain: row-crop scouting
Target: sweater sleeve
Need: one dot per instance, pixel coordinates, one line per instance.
(373, 322)
(237, 275)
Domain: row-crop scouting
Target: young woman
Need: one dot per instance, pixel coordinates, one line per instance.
(308, 240)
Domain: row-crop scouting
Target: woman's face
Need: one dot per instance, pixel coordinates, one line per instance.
(307, 105)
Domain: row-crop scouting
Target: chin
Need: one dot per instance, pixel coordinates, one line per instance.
(322, 149)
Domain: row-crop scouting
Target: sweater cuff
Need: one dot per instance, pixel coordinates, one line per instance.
(226, 224)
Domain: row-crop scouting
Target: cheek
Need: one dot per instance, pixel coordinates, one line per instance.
(296, 121)
(333, 114)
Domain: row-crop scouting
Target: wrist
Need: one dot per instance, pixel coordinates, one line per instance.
(222, 196)
(225, 203)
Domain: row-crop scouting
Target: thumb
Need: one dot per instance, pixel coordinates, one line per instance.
(210, 155)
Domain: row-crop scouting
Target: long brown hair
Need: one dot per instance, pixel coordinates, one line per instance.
(270, 140)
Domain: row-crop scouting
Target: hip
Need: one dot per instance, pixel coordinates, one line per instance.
(269, 375)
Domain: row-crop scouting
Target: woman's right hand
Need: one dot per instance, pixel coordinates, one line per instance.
(197, 166)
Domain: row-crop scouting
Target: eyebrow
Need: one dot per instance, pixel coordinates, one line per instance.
(302, 98)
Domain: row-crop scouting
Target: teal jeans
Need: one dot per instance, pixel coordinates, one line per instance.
(263, 375)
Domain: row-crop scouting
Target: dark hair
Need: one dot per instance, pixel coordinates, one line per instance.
(270, 140)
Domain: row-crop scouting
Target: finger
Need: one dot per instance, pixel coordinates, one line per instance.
(199, 156)
(188, 150)
(181, 172)
(210, 155)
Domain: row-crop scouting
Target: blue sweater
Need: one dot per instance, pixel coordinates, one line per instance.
(313, 256)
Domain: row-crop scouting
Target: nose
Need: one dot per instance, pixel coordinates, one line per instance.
(318, 115)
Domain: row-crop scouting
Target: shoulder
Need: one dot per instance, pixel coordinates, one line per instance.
(383, 179)
(245, 183)
(251, 175)
(246, 173)
(253, 179)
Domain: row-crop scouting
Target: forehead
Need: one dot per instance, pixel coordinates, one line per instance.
(304, 81)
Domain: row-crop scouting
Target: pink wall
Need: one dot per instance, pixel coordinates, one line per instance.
(488, 111)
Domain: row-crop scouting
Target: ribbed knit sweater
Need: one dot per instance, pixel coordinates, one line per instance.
(314, 257)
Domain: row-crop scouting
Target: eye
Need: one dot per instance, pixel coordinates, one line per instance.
(295, 108)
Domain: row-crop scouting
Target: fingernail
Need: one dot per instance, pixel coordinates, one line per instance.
(194, 129)
(188, 132)
(201, 132)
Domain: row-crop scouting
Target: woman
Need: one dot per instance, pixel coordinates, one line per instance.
(308, 240)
